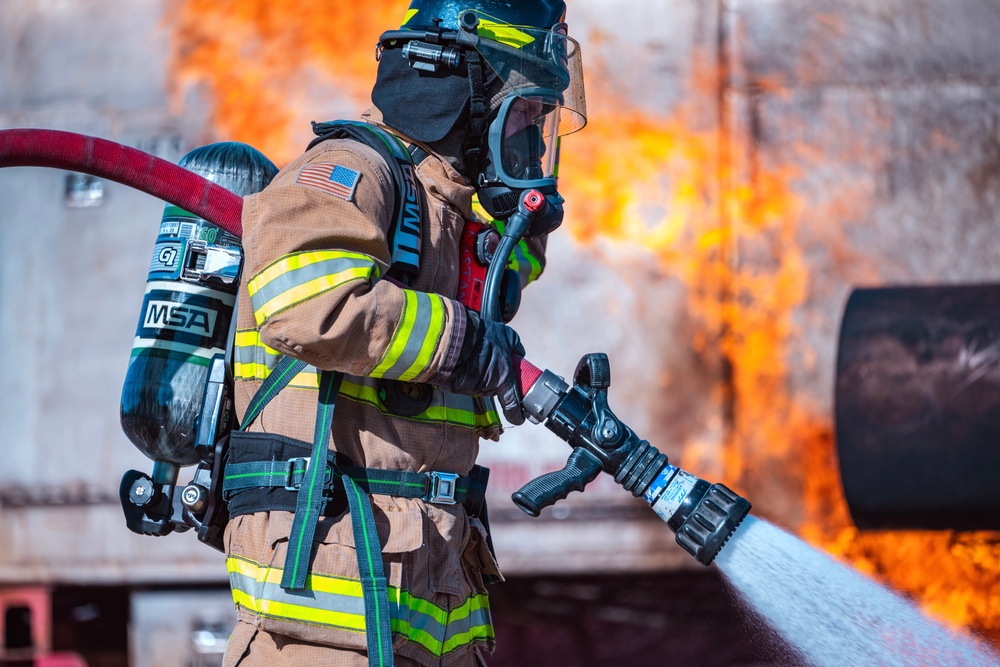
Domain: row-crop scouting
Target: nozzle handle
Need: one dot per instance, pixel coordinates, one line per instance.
(581, 469)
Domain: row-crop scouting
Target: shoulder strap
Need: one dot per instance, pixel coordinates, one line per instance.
(405, 234)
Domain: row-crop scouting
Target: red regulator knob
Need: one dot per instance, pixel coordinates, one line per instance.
(534, 201)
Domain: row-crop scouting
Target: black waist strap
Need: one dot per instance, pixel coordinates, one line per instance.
(265, 472)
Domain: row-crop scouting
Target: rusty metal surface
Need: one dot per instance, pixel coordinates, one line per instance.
(918, 407)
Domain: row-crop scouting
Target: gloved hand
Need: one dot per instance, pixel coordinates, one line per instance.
(485, 367)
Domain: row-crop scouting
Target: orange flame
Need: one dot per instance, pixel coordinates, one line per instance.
(738, 241)
(258, 59)
(738, 236)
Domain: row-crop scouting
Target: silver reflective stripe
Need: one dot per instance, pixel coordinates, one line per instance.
(300, 276)
(252, 360)
(255, 353)
(477, 618)
(338, 602)
(417, 334)
(458, 409)
(347, 604)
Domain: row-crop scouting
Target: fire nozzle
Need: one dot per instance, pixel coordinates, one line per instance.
(701, 514)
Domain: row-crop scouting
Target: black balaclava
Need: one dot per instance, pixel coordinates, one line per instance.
(430, 107)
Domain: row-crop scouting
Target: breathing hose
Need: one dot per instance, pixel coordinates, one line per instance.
(532, 202)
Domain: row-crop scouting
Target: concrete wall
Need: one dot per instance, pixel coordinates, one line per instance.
(71, 286)
(889, 112)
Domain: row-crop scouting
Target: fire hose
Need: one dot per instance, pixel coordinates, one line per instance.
(702, 515)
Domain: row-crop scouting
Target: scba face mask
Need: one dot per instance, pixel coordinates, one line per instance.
(525, 137)
(542, 98)
(522, 154)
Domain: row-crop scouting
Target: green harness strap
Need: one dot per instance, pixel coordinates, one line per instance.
(284, 371)
(378, 629)
(311, 502)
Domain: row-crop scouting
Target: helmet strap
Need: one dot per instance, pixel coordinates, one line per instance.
(478, 112)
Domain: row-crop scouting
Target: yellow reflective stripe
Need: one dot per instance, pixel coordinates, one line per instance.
(430, 341)
(415, 339)
(465, 411)
(249, 337)
(253, 360)
(339, 602)
(420, 605)
(272, 575)
(467, 637)
(502, 32)
(299, 260)
(525, 263)
(297, 277)
(477, 415)
(307, 291)
(486, 416)
(296, 612)
(496, 30)
(399, 337)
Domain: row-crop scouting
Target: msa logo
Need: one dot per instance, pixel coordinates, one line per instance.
(406, 239)
(180, 317)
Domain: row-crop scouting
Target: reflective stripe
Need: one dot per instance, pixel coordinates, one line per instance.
(469, 411)
(254, 361)
(522, 260)
(525, 263)
(338, 602)
(503, 33)
(497, 30)
(415, 339)
(300, 276)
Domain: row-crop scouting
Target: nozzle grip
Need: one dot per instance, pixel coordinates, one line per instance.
(581, 469)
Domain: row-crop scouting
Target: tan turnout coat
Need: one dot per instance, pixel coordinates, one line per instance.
(347, 323)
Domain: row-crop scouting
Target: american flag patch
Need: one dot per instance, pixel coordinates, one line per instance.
(338, 181)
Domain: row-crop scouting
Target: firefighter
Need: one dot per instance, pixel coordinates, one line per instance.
(358, 531)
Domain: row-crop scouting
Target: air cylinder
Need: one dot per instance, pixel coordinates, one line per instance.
(187, 312)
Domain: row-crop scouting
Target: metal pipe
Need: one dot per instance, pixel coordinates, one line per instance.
(918, 407)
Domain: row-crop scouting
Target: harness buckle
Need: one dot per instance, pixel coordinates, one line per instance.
(293, 468)
(443, 486)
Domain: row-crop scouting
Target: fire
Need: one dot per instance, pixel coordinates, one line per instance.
(256, 59)
(738, 234)
(738, 241)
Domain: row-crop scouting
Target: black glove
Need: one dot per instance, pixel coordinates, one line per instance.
(485, 366)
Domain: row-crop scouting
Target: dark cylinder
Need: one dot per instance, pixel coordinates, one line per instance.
(918, 407)
(187, 311)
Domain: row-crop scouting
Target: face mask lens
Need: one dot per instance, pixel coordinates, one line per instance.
(523, 152)
(529, 134)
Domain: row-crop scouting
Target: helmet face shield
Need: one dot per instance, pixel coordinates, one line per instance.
(527, 59)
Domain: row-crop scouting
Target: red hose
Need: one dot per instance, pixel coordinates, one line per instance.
(147, 173)
(128, 166)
